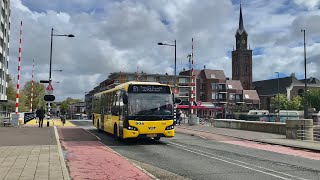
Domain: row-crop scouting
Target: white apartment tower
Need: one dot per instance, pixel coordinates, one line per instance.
(4, 47)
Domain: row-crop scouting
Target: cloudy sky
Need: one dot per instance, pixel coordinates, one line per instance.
(122, 35)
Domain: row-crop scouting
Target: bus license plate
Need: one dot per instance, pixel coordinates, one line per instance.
(151, 135)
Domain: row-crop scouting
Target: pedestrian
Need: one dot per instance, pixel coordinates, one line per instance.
(178, 116)
(40, 113)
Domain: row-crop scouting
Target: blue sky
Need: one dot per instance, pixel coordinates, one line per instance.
(123, 35)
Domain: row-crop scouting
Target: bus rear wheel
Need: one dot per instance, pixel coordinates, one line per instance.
(156, 138)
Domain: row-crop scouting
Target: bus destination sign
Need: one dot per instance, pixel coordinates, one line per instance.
(148, 89)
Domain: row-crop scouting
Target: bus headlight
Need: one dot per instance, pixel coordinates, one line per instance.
(170, 127)
(132, 128)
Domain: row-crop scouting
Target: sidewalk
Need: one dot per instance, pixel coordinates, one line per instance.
(269, 138)
(31, 153)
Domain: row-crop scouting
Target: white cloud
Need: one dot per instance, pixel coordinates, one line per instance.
(123, 35)
(310, 4)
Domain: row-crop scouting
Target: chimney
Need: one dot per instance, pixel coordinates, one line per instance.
(204, 66)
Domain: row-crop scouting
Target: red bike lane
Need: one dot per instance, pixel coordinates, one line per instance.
(251, 144)
(87, 158)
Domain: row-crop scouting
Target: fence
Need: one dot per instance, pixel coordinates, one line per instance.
(304, 134)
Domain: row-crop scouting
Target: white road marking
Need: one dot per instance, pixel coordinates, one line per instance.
(229, 160)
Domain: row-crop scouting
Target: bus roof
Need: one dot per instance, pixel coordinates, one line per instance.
(126, 85)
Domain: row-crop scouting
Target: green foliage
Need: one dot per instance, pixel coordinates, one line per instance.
(314, 98)
(38, 94)
(11, 89)
(66, 103)
(281, 101)
(296, 103)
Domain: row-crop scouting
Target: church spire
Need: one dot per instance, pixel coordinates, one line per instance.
(240, 19)
(241, 27)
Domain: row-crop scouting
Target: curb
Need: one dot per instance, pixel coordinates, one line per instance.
(254, 140)
(65, 172)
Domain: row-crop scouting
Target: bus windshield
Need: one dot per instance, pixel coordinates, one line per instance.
(151, 105)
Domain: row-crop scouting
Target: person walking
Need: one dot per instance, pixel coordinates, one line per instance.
(178, 116)
(40, 113)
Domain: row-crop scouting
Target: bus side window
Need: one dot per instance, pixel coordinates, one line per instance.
(120, 103)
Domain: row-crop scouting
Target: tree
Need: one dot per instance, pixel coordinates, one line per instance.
(38, 94)
(279, 101)
(314, 98)
(11, 89)
(296, 103)
(66, 103)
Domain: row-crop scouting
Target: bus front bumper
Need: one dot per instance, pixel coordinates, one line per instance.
(135, 134)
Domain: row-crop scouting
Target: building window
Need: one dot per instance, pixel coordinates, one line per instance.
(202, 86)
(213, 76)
(238, 99)
(214, 95)
(213, 86)
(246, 96)
(202, 96)
(229, 86)
(231, 97)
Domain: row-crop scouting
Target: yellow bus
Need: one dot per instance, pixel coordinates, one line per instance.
(135, 110)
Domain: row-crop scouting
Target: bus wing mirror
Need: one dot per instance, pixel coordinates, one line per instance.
(177, 100)
(125, 98)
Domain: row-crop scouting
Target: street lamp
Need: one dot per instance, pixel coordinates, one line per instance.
(175, 71)
(50, 79)
(278, 95)
(67, 35)
(305, 76)
(175, 59)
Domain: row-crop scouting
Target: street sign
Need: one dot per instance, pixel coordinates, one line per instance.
(49, 98)
(49, 89)
(44, 81)
(199, 103)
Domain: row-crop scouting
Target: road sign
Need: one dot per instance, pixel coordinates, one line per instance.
(49, 98)
(44, 81)
(199, 103)
(49, 88)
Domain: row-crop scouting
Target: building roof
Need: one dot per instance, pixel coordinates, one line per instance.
(234, 84)
(311, 80)
(250, 95)
(270, 86)
(214, 74)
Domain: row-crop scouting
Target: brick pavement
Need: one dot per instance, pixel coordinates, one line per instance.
(31, 153)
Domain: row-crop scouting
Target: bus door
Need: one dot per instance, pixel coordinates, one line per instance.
(102, 118)
(122, 113)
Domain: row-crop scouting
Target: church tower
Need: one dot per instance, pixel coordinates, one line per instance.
(242, 57)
